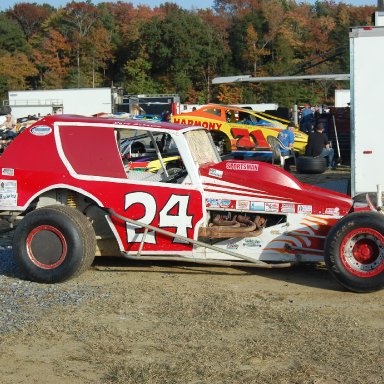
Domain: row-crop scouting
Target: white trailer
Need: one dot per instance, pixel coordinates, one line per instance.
(342, 98)
(367, 123)
(79, 101)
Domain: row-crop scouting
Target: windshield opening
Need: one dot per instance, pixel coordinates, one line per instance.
(202, 147)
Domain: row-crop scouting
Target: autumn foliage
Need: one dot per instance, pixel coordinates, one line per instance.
(168, 49)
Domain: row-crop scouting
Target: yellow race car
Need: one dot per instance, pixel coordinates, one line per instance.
(235, 128)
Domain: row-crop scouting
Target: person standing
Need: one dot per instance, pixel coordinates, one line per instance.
(306, 121)
(318, 145)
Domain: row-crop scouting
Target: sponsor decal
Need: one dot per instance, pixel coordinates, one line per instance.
(288, 208)
(8, 185)
(224, 203)
(271, 207)
(205, 124)
(218, 203)
(257, 206)
(8, 198)
(215, 173)
(213, 203)
(41, 130)
(242, 167)
(8, 172)
(252, 243)
(332, 211)
(232, 246)
(8, 192)
(242, 204)
(304, 209)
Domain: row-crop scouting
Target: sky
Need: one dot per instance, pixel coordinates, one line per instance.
(187, 4)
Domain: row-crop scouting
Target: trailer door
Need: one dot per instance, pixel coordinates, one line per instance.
(367, 113)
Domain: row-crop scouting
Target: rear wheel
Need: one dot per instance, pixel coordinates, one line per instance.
(53, 244)
(354, 251)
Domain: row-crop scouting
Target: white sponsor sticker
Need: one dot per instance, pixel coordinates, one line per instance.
(242, 204)
(7, 172)
(304, 209)
(8, 198)
(8, 185)
(288, 208)
(41, 130)
(215, 173)
(252, 243)
(332, 211)
(271, 207)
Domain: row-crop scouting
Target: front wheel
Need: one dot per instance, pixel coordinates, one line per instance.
(53, 244)
(354, 251)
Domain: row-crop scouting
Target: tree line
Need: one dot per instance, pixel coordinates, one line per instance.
(168, 49)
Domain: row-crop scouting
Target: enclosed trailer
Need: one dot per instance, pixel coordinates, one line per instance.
(367, 124)
(78, 101)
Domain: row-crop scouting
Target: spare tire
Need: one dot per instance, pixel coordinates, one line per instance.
(309, 164)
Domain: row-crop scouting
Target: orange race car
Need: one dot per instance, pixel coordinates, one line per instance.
(235, 128)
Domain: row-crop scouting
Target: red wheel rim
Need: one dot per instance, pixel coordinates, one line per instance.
(362, 252)
(46, 247)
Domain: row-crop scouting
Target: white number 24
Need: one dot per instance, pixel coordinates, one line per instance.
(181, 221)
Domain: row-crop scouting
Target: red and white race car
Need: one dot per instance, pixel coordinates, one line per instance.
(73, 195)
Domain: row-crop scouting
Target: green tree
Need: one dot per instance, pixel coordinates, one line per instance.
(78, 20)
(12, 38)
(16, 68)
(184, 50)
(138, 76)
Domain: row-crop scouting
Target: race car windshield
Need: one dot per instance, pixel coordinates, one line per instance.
(202, 147)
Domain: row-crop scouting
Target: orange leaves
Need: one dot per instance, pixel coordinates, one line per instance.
(230, 94)
(15, 68)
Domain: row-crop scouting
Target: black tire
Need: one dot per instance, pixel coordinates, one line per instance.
(309, 164)
(54, 243)
(354, 251)
(222, 142)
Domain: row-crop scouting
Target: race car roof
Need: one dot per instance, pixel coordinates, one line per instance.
(115, 122)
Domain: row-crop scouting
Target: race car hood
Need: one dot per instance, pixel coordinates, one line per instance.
(243, 184)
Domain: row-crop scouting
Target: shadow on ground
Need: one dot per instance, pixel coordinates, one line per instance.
(309, 275)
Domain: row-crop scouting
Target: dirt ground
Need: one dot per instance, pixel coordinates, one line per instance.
(124, 322)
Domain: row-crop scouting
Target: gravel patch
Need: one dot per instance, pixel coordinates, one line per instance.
(22, 302)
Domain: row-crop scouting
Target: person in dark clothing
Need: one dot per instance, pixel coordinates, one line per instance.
(318, 145)
(166, 116)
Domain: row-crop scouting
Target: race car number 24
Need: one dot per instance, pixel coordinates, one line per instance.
(179, 220)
